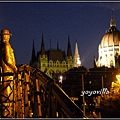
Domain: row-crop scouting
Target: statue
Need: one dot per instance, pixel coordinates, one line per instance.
(8, 64)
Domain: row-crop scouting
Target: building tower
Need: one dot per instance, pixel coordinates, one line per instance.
(33, 54)
(33, 61)
(69, 55)
(77, 61)
(42, 46)
(42, 58)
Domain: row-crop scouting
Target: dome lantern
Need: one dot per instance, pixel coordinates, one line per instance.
(112, 22)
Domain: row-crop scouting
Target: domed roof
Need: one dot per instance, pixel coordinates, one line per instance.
(112, 35)
(110, 38)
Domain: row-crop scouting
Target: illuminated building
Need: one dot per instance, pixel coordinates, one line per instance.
(109, 47)
(55, 61)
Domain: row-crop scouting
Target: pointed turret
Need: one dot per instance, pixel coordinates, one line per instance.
(77, 61)
(57, 46)
(76, 49)
(112, 22)
(33, 54)
(69, 51)
(42, 46)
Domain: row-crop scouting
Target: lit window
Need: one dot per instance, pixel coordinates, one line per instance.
(50, 64)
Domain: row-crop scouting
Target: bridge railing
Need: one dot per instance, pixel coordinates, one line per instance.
(58, 102)
(37, 96)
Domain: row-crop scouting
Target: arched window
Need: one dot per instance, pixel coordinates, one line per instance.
(64, 63)
(57, 63)
(50, 63)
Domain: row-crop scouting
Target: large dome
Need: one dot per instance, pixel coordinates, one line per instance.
(110, 38)
(112, 35)
(109, 47)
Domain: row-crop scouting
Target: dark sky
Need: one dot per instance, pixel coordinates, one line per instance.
(84, 22)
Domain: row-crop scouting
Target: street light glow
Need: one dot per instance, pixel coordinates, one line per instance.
(61, 78)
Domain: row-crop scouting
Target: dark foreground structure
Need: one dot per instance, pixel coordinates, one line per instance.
(37, 96)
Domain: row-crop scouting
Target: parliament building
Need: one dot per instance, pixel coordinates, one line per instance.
(55, 61)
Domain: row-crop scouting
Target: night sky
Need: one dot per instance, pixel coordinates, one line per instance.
(84, 22)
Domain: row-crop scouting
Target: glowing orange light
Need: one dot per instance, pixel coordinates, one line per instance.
(118, 78)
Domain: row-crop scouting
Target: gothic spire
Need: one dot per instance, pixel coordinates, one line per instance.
(42, 46)
(77, 61)
(69, 51)
(33, 53)
(76, 49)
(112, 22)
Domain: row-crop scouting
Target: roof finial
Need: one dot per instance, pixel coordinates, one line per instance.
(112, 22)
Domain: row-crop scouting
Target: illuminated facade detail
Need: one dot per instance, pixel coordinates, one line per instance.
(109, 48)
(77, 61)
(54, 61)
